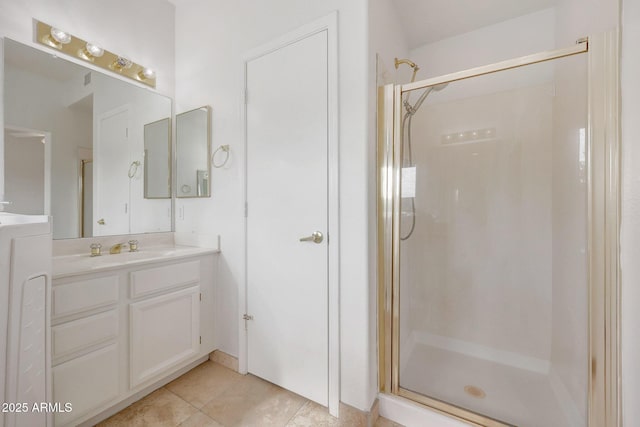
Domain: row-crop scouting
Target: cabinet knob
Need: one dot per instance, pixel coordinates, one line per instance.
(101, 221)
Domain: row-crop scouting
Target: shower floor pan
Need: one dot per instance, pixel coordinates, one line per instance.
(512, 395)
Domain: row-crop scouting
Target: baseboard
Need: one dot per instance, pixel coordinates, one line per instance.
(226, 360)
(353, 417)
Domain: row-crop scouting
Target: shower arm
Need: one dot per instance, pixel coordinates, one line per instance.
(411, 64)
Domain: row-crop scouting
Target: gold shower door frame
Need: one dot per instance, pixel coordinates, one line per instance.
(603, 219)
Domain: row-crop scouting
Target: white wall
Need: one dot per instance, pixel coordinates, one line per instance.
(509, 39)
(142, 30)
(211, 37)
(630, 242)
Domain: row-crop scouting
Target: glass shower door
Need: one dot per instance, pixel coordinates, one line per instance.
(491, 235)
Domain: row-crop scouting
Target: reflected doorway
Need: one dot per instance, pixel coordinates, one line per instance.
(27, 158)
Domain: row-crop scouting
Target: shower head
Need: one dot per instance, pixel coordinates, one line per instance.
(412, 109)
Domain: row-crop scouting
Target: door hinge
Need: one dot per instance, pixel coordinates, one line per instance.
(247, 317)
(200, 340)
(200, 296)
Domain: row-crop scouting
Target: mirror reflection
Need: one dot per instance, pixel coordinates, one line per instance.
(92, 128)
(193, 151)
(157, 159)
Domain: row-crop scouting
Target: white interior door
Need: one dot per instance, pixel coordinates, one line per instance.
(111, 166)
(287, 279)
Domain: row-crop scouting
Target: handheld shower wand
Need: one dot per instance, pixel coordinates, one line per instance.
(411, 110)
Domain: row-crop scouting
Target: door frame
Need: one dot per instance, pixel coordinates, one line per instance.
(603, 227)
(328, 23)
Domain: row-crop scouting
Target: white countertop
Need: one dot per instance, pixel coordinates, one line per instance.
(77, 264)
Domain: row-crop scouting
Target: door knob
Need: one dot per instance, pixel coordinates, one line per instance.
(316, 237)
(101, 221)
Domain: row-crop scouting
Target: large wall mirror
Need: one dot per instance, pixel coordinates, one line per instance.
(193, 153)
(109, 156)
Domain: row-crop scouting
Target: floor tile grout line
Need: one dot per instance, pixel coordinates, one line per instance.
(220, 391)
(188, 403)
(307, 402)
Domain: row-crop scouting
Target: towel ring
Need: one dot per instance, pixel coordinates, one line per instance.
(133, 169)
(224, 148)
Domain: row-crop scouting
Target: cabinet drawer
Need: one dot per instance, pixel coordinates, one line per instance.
(85, 295)
(153, 280)
(78, 335)
(88, 382)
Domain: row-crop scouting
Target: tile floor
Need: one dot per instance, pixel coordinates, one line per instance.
(211, 395)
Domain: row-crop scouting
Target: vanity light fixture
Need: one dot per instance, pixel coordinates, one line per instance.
(71, 45)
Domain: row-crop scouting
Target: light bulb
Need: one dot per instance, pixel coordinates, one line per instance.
(94, 50)
(60, 36)
(147, 73)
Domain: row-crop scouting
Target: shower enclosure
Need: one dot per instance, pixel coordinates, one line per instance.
(498, 207)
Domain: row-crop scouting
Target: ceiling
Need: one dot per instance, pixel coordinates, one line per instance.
(427, 21)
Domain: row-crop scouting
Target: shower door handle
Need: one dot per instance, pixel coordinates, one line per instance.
(316, 237)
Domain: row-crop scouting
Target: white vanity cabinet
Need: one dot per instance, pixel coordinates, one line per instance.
(125, 330)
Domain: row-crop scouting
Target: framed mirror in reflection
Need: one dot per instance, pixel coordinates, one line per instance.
(193, 153)
(99, 175)
(157, 159)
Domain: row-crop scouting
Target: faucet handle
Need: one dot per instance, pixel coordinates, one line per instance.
(95, 249)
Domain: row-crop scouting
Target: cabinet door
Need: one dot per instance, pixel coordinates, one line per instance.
(165, 331)
(87, 382)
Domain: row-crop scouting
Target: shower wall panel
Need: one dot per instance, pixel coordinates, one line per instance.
(480, 257)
